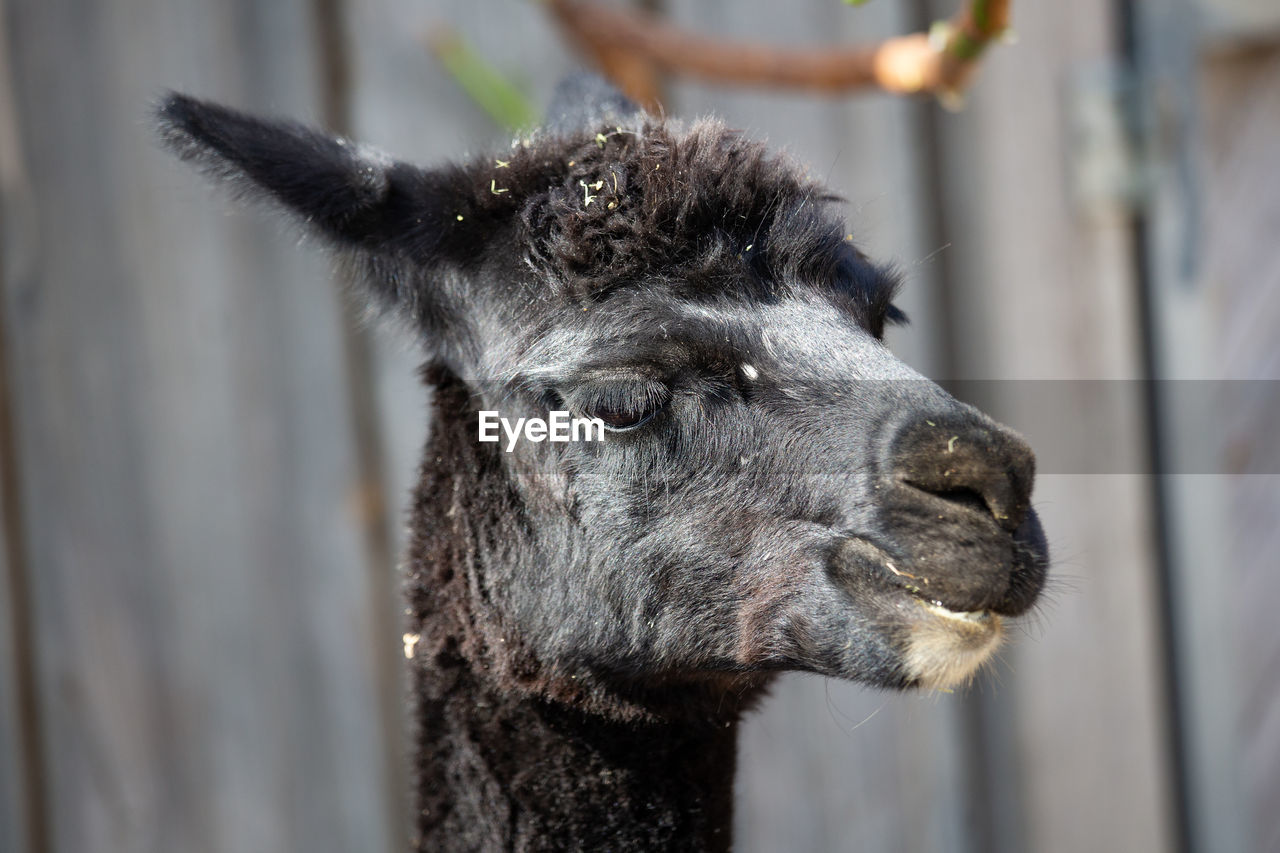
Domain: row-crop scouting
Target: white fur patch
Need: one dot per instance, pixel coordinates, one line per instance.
(750, 372)
(946, 648)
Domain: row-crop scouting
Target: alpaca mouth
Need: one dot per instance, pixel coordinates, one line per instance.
(972, 606)
(941, 642)
(936, 606)
(998, 573)
(970, 617)
(946, 645)
(917, 586)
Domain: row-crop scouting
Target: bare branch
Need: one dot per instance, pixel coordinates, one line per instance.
(629, 45)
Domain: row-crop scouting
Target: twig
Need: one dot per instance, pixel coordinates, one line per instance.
(941, 61)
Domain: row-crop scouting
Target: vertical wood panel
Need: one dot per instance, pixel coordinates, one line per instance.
(1184, 301)
(13, 758)
(1240, 122)
(18, 766)
(13, 763)
(1042, 292)
(204, 623)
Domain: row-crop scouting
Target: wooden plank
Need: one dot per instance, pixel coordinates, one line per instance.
(827, 765)
(16, 760)
(1043, 292)
(1239, 123)
(13, 759)
(14, 811)
(1197, 287)
(202, 612)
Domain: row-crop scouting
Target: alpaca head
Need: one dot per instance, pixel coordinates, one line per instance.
(774, 490)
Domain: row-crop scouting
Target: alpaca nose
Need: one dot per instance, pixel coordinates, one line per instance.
(966, 459)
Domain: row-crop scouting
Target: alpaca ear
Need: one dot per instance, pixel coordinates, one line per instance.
(344, 194)
(350, 196)
(586, 100)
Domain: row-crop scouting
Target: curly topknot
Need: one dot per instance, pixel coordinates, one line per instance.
(617, 205)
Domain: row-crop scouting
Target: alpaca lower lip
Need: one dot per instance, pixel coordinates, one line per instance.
(946, 647)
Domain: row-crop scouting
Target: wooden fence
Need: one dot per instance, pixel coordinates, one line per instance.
(206, 453)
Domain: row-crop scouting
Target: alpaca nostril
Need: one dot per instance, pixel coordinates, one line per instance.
(967, 461)
(993, 498)
(962, 497)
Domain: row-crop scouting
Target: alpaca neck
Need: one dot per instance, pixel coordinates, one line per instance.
(508, 756)
(503, 772)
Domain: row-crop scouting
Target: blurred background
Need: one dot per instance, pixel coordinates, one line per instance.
(206, 453)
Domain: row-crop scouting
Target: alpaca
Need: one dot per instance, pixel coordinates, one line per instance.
(775, 491)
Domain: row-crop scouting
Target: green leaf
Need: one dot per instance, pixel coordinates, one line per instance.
(484, 83)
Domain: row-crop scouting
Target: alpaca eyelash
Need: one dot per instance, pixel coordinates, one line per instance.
(622, 405)
(625, 396)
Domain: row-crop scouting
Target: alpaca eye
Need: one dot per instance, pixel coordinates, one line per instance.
(622, 406)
